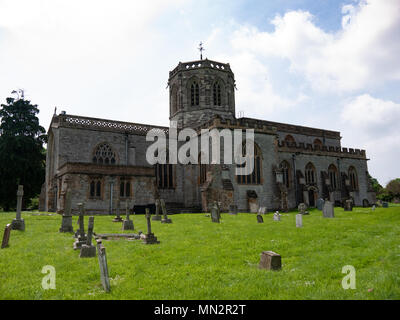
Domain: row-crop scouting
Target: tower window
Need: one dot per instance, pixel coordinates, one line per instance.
(194, 94)
(217, 94)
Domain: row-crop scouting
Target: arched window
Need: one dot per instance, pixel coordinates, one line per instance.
(318, 143)
(290, 140)
(95, 187)
(255, 176)
(217, 94)
(310, 174)
(285, 167)
(124, 188)
(194, 94)
(103, 154)
(164, 174)
(353, 178)
(174, 100)
(333, 176)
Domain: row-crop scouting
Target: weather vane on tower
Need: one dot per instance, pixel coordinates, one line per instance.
(201, 49)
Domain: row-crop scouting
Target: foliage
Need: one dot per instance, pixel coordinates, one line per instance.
(197, 259)
(21, 151)
(393, 187)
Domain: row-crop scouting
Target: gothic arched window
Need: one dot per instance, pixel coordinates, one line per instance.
(164, 174)
(353, 178)
(194, 94)
(310, 174)
(318, 143)
(217, 94)
(95, 186)
(174, 100)
(255, 176)
(333, 176)
(290, 140)
(103, 154)
(285, 167)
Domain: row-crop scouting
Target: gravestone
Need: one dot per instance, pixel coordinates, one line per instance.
(299, 220)
(270, 260)
(320, 204)
(262, 210)
(277, 216)
(88, 250)
(6, 236)
(373, 208)
(66, 222)
(328, 210)
(80, 233)
(165, 218)
(233, 209)
(348, 205)
(128, 223)
(149, 238)
(157, 216)
(118, 217)
(215, 215)
(18, 223)
(302, 209)
(385, 204)
(260, 218)
(101, 254)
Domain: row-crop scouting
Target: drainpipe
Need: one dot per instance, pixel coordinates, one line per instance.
(111, 196)
(126, 149)
(295, 178)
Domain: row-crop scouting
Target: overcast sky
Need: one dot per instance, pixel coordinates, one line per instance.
(328, 64)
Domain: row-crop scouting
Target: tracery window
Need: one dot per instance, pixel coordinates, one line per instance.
(285, 167)
(217, 94)
(310, 174)
(333, 176)
(255, 176)
(104, 154)
(194, 94)
(353, 178)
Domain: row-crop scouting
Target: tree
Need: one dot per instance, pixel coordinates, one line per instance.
(375, 185)
(393, 188)
(22, 160)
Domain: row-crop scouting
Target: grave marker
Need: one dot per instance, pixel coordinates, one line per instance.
(328, 210)
(80, 233)
(320, 204)
(118, 217)
(260, 219)
(302, 209)
(6, 236)
(88, 250)
(157, 216)
(233, 209)
(215, 215)
(101, 253)
(348, 205)
(299, 220)
(270, 260)
(66, 222)
(128, 223)
(165, 218)
(18, 223)
(149, 238)
(277, 216)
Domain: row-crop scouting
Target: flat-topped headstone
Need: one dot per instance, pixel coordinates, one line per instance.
(18, 223)
(101, 253)
(260, 219)
(385, 204)
(373, 208)
(165, 218)
(299, 220)
(6, 236)
(328, 210)
(157, 216)
(320, 204)
(348, 205)
(277, 216)
(66, 222)
(149, 238)
(118, 216)
(270, 260)
(233, 209)
(87, 249)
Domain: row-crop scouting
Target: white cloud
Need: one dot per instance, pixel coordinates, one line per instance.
(363, 53)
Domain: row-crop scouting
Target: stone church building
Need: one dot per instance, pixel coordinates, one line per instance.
(104, 161)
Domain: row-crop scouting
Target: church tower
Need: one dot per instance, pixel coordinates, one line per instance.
(200, 90)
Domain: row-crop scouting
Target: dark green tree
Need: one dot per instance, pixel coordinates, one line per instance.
(22, 160)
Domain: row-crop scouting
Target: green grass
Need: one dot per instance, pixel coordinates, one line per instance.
(198, 259)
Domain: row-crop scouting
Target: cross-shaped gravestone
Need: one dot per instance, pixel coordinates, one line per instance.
(80, 233)
(87, 249)
(118, 217)
(101, 253)
(128, 223)
(149, 237)
(165, 218)
(6, 236)
(18, 223)
(66, 222)
(157, 216)
(299, 220)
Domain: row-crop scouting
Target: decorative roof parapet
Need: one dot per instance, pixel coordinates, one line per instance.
(72, 121)
(183, 66)
(286, 146)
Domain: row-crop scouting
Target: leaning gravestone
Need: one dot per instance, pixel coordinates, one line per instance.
(299, 220)
(80, 233)
(277, 216)
(233, 209)
(260, 218)
(157, 216)
(101, 253)
(66, 222)
(149, 237)
(6, 236)
(328, 210)
(165, 218)
(118, 217)
(270, 260)
(18, 223)
(128, 223)
(215, 215)
(348, 205)
(320, 204)
(88, 250)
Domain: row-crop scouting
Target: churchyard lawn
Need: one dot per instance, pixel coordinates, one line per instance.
(198, 259)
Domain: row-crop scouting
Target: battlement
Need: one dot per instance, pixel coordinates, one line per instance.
(286, 146)
(200, 64)
(73, 121)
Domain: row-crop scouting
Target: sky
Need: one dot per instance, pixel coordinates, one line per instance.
(327, 64)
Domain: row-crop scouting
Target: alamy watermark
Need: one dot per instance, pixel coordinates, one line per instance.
(236, 150)
(49, 280)
(349, 281)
